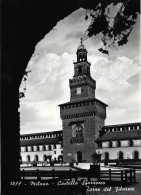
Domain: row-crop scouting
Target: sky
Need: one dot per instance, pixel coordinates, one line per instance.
(117, 76)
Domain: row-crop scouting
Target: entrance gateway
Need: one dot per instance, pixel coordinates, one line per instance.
(84, 115)
(79, 157)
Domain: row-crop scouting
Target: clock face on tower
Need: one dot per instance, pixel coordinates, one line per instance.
(78, 90)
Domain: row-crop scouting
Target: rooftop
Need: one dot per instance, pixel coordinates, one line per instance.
(42, 133)
(83, 100)
(122, 125)
(120, 135)
(36, 142)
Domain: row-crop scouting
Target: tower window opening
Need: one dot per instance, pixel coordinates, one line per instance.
(79, 69)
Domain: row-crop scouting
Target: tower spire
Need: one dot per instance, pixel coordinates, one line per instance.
(81, 52)
(81, 41)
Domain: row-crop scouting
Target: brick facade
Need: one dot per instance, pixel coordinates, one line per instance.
(84, 115)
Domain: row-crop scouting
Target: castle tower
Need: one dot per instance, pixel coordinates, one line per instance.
(82, 85)
(84, 115)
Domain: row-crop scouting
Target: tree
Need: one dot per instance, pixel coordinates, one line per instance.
(113, 20)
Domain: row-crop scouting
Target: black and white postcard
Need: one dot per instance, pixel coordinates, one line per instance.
(71, 90)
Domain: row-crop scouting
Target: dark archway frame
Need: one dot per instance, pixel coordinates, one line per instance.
(24, 23)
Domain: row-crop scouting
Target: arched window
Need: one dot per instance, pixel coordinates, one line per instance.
(106, 156)
(120, 155)
(79, 131)
(136, 155)
(28, 158)
(36, 158)
(44, 157)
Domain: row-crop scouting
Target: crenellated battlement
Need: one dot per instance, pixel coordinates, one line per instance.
(82, 80)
